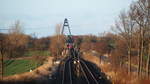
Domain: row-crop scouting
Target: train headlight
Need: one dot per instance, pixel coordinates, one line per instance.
(74, 62)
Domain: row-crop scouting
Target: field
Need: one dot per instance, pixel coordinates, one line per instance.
(19, 66)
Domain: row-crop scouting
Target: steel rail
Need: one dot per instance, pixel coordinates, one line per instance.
(74, 54)
(84, 74)
(90, 72)
(70, 72)
(64, 67)
(63, 78)
(64, 70)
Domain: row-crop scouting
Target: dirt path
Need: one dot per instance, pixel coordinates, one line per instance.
(20, 58)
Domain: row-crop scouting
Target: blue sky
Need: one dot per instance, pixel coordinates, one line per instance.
(41, 16)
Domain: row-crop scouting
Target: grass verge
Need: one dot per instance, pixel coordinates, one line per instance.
(12, 67)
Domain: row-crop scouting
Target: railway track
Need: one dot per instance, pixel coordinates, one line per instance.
(75, 70)
(90, 77)
(67, 73)
(88, 73)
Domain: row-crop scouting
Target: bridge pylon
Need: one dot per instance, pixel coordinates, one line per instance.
(66, 24)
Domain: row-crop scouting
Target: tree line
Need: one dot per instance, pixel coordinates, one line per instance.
(16, 43)
(133, 30)
(128, 44)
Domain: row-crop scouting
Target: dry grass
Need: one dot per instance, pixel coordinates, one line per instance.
(89, 57)
(117, 75)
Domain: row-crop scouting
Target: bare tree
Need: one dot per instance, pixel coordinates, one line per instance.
(142, 15)
(134, 27)
(17, 40)
(57, 42)
(125, 28)
(148, 59)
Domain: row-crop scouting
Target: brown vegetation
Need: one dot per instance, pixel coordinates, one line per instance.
(133, 28)
(57, 42)
(116, 74)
